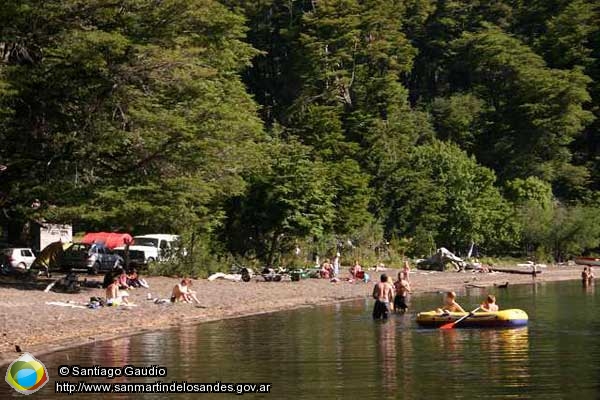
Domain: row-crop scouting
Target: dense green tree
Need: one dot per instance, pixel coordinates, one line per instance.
(439, 191)
(289, 199)
(256, 125)
(534, 112)
(125, 114)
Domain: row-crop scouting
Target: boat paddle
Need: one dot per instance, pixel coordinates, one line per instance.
(451, 325)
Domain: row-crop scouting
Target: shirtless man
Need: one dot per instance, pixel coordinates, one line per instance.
(383, 293)
(402, 289)
(181, 292)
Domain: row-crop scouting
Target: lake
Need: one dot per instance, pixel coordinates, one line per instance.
(338, 352)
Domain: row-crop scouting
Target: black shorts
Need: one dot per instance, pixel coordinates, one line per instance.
(400, 303)
(380, 310)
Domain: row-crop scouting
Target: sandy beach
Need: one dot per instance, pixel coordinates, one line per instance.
(27, 321)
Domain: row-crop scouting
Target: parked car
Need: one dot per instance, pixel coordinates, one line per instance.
(93, 258)
(18, 258)
(156, 247)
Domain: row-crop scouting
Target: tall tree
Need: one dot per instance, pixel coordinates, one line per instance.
(124, 113)
(533, 112)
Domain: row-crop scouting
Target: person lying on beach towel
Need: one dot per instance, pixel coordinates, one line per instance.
(183, 293)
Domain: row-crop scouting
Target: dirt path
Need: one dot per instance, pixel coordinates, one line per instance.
(27, 321)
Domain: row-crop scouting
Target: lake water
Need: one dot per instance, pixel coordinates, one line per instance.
(339, 352)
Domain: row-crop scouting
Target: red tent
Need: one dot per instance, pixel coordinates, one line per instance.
(109, 239)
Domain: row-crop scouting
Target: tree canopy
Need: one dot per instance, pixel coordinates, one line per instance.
(262, 124)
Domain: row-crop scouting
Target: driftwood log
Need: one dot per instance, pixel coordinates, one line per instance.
(516, 271)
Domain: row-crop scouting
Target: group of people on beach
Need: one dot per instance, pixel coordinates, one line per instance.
(118, 282)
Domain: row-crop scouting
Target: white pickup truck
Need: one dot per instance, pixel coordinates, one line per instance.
(156, 247)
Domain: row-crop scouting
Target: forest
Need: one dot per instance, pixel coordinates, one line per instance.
(253, 127)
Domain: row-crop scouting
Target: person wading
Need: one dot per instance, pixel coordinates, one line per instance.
(383, 293)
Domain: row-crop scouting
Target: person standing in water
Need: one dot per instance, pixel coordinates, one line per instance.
(585, 275)
(383, 293)
(402, 289)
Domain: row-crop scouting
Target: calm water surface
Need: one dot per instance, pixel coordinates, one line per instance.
(337, 351)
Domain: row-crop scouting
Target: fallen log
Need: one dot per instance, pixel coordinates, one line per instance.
(516, 271)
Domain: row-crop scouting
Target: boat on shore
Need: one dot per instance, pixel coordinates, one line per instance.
(511, 318)
(588, 261)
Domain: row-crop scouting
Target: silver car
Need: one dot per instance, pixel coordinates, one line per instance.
(17, 258)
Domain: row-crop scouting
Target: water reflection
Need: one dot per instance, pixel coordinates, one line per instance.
(387, 354)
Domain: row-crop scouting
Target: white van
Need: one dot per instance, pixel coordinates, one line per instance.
(156, 247)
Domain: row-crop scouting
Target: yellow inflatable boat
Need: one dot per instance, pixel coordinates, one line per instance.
(500, 319)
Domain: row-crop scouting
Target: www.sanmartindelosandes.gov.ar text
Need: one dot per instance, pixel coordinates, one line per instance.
(161, 387)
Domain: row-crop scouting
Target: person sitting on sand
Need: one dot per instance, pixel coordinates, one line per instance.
(326, 270)
(134, 280)
(114, 296)
(489, 304)
(450, 304)
(122, 278)
(402, 289)
(355, 268)
(383, 293)
(182, 293)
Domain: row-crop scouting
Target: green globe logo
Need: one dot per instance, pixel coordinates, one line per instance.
(26, 374)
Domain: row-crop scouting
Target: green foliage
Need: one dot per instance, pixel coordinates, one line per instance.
(458, 118)
(534, 112)
(562, 231)
(289, 198)
(259, 126)
(531, 189)
(442, 197)
(127, 115)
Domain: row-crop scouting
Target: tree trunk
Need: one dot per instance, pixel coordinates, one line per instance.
(272, 249)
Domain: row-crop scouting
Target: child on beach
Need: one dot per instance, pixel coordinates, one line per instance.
(355, 269)
(181, 292)
(406, 271)
(450, 304)
(402, 289)
(489, 304)
(326, 271)
(383, 295)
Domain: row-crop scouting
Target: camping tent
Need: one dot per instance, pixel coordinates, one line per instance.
(109, 239)
(49, 257)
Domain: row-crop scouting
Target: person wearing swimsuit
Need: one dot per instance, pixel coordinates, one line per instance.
(402, 289)
(383, 293)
